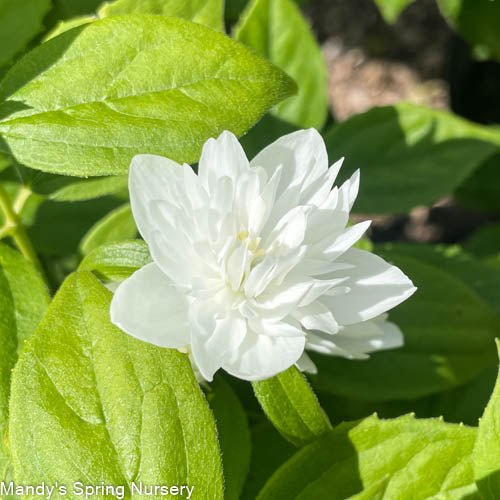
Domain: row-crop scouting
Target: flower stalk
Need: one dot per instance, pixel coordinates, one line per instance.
(14, 228)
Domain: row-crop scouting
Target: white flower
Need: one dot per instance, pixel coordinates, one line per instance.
(253, 261)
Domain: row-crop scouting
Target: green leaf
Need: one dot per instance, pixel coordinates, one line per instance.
(277, 29)
(19, 23)
(358, 455)
(66, 25)
(207, 12)
(23, 301)
(481, 190)
(408, 155)
(485, 242)
(91, 403)
(449, 332)
(117, 261)
(116, 226)
(269, 451)
(487, 449)
(87, 189)
(60, 226)
(477, 21)
(171, 86)
(292, 407)
(234, 436)
(391, 9)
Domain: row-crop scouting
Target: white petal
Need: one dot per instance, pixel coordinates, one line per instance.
(155, 178)
(262, 356)
(149, 307)
(302, 154)
(375, 287)
(290, 230)
(316, 316)
(220, 157)
(345, 240)
(351, 188)
(306, 365)
(209, 352)
(371, 336)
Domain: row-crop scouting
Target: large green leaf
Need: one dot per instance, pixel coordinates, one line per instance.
(291, 405)
(277, 29)
(487, 449)
(481, 190)
(91, 403)
(60, 226)
(207, 12)
(449, 332)
(158, 85)
(23, 301)
(269, 451)
(485, 242)
(19, 23)
(116, 261)
(116, 226)
(391, 9)
(234, 436)
(408, 155)
(359, 455)
(477, 21)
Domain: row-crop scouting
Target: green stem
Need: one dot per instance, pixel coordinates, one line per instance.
(14, 228)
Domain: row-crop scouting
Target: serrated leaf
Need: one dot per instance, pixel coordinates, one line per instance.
(487, 449)
(356, 455)
(408, 155)
(391, 9)
(116, 226)
(89, 401)
(19, 23)
(117, 261)
(292, 407)
(234, 436)
(23, 301)
(477, 21)
(449, 333)
(277, 29)
(171, 86)
(207, 12)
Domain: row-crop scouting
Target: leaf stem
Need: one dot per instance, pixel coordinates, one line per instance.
(13, 226)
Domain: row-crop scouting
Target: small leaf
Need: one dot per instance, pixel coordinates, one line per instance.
(234, 436)
(358, 455)
(292, 407)
(173, 84)
(391, 9)
(82, 190)
(117, 261)
(408, 155)
(116, 226)
(487, 449)
(23, 301)
(277, 29)
(449, 332)
(19, 23)
(91, 403)
(207, 12)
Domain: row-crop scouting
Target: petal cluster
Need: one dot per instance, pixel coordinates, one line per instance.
(253, 261)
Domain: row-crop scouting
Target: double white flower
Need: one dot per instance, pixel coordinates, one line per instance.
(253, 261)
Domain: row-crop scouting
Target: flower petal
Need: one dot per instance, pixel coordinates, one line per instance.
(262, 356)
(221, 157)
(303, 156)
(374, 287)
(149, 307)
